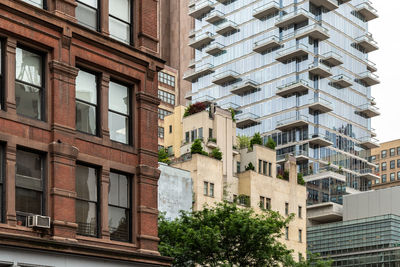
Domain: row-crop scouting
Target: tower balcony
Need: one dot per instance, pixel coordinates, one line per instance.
(324, 173)
(225, 77)
(266, 9)
(371, 66)
(201, 40)
(193, 74)
(327, 4)
(266, 44)
(291, 123)
(368, 174)
(297, 87)
(297, 51)
(227, 26)
(245, 120)
(369, 78)
(342, 81)
(314, 31)
(317, 68)
(332, 59)
(325, 212)
(319, 140)
(206, 99)
(244, 87)
(367, 11)
(200, 8)
(300, 156)
(296, 16)
(231, 105)
(369, 142)
(319, 104)
(368, 111)
(367, 42)
(215, 16)
(214, 48)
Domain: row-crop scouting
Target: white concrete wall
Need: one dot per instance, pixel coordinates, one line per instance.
(34, 258)
(175, 190)
(372, 203)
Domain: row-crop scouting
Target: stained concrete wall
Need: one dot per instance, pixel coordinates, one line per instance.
(372, 203)
(175, 190)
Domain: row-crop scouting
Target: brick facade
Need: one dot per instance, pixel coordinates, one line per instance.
(66, 45)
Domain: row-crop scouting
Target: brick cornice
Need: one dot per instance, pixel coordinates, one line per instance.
(151, 172)
(63, 68)
(148, 98)
(63, 150)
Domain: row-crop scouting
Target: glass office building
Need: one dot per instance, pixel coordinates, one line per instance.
(298, 72)
(373, 241)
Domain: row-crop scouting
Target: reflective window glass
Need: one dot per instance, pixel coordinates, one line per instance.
(120, 20)
(86, 13)
(119, 112)
(119, 207)
(86, 102)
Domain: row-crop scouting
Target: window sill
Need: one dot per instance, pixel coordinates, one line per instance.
(98, 240)
(25, 120)
(105, 142)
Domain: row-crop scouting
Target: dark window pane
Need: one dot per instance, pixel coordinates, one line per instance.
(29, 164)
(119, 130)
(86, 217)
(86, 16)
(119, 190)
(28, 100)
(118, 223)
(28, 67)
(1, 202)
(86, 183)
(86, 87)
(86, 118)
(119, 30)
(118, 98)
(28, 201)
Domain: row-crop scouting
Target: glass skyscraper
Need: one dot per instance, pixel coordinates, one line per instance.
(297, 72)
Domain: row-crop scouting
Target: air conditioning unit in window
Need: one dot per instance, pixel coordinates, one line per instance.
(38, 221)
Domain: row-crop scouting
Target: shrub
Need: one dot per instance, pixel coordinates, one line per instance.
(300, 179)
(196, 147)
(256, 140)
(194, 108)
(250, 167)
(286, 175)
(243, 141)
(233, 113)
(211, 139)
(271, 143)
(163, 156)
(216, 153)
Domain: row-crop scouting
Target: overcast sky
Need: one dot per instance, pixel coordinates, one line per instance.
(386, 32)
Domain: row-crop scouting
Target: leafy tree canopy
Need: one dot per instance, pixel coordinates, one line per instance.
(243, 141)
(271, 143)
(256, 140)
(163, 156)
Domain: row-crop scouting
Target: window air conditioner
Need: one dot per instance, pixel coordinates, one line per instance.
(39, 221)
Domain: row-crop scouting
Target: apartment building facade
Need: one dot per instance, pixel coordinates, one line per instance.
(231, 178)
(387, 160)
(297, 72)
(78, 149)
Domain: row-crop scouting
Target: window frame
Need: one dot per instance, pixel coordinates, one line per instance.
(98, 82)
(161, 132)
(130, 111)
(398, 175)
(299, 212)
(300, 236)
(384, 166)
(286, 208)
(98, 201)
(98, 18)
(130, 201)
(383, 154)
(43, 7)
(384, 178)
(2, 66)
(131, 30)
(392, 177)
(392, 164)
(43, 201)
(392, 150)
(268, 203)
(43, 95)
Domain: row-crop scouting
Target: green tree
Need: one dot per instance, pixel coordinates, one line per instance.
(256, 140)
(243, 141)
(300, 179)
(224, 236)
(311, 261)
(163, 156)
(249, 167)
(271, 143)
(216, 153)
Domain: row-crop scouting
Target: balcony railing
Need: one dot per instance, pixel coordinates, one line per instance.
(202, 39)
(369, 78)
(266, 43)
(225, 77)
(320, 104)
(292, 52)
(368, 110)
(316, 31)
(215, 16)
(317, 68)
(332, 59)
(296, 16)
(206, 99)
(226, 27)
(293, 122)
(197, 72)
(367, 42)
(342, 81)
(320, 140)
(371, 66)
(244, 87)
(295, 87)
(230, 105)
(369, 142)
(200, 8)
(215, 48)
(367, 10)
(266, 9)
(300, 155)
(247, 119)
(328, 4)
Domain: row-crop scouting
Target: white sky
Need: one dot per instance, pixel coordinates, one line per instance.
(386, 32)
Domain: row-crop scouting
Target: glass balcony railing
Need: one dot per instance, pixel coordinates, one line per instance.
(300, 82)
(265, 9)
(215, 16)
(198, 71)
(321, 102)
(292, 120)
(296, 154)
(342, 81)
(320, 69)
(291, 52)
(367, 10)
(204, 99)
(296, 16)
(266, 43)
(314, 30)
(246, 116)
(200, 8)
(201, 39)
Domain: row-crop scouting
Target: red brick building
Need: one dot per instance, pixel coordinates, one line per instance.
(78, 132)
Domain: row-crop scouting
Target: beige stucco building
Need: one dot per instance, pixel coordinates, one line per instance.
(227, 179)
